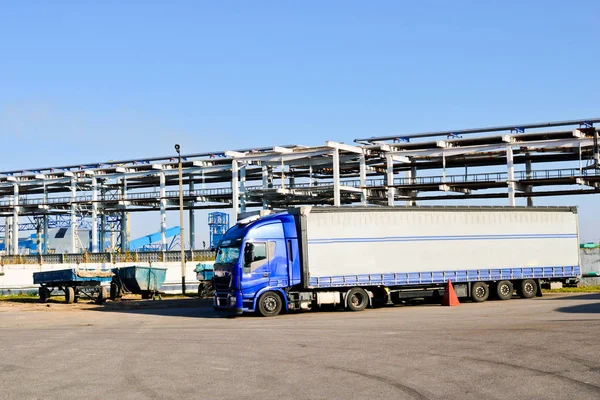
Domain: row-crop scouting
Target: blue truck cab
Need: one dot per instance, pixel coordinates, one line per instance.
(258, 258)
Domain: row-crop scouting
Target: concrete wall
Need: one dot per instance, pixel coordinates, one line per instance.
(590, 262)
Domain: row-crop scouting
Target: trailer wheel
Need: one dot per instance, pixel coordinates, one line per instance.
(115, 291)
(102, 295)
(44, 294)
(504, 290)
(205, 289)
(357, 299)
(527, 289)
(269, 304)
(69, 295)
(480, 292)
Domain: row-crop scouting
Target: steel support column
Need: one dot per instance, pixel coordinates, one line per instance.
(511, 176)
(243, 188)
(235, 190)
(391, 191)
(528, 176)
(8, 235)
(337, 200)
(45, 222)
(102, 233)
(411, 176)
(265, 185)
(15, 221)
(363, 180)
(94, 215)
(102, 238)
(163, 211)
(73, 216)
(443, 167)
(124, 217)
(191, 217)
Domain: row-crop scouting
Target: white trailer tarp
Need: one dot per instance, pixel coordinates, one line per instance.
(380, 241)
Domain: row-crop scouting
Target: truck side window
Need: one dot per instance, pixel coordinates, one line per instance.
(256, 255)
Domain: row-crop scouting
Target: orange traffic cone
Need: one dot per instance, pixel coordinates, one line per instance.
(450, 299)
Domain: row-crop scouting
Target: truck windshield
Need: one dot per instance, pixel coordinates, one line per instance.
(227, 255)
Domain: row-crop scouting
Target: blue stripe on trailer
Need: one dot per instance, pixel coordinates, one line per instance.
(437, 238)
(419, 278)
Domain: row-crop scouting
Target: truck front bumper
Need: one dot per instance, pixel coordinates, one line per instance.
(229, 302)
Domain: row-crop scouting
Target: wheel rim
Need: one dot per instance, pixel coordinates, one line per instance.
(528, 288)
(270, 303)
(480, 292)
(505, 290)
(356, 299)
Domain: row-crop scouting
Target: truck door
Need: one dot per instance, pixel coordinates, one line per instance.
(256, 267)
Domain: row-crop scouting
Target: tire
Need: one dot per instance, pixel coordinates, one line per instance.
(357, 299)
(527, 289)
(114, 291)
(44, 294)
(269, 304)
(480, 292)
(205, 289)
(102, 295)
(69, 295)
(504, 290)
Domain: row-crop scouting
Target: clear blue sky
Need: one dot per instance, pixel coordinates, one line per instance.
(91, 81)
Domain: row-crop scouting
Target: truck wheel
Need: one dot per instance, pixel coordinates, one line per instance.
(480, 292)
(44, 294)
(527, 289)
(69, 295)
(269, 304)
(357, 299)
(504, 290)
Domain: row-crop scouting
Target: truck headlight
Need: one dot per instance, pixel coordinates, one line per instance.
(232, 300)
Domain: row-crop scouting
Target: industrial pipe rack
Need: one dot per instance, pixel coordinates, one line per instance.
(496, 162)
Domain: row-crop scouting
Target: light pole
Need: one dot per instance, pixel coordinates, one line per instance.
(181, 230)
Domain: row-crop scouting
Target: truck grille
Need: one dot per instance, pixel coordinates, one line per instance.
(222, 282)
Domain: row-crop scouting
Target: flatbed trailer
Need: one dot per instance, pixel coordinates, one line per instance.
(74, 283)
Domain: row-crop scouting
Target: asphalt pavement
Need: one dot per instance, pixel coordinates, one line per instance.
(544, 348)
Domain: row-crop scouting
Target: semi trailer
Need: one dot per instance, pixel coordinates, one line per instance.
(359, 257)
